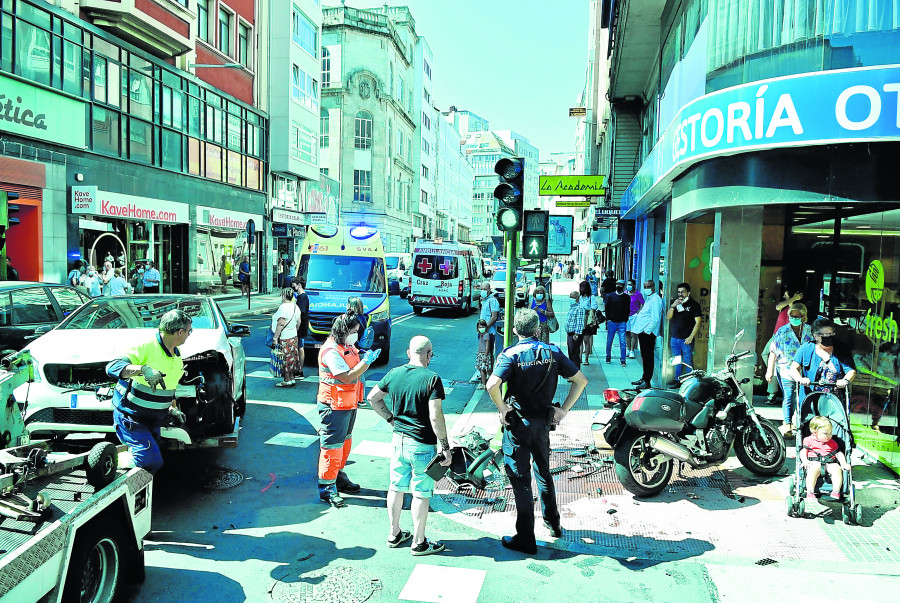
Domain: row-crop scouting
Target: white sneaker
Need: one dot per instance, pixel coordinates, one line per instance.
(631, 355)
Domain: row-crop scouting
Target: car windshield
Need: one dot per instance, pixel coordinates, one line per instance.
(139, 312)
(343, 273)
(392, 262)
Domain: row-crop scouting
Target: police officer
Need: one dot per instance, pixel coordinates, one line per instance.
(148, 374)
(530, 369)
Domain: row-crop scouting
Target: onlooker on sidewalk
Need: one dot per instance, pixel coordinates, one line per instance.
(90, 280)
(302, 298)
(151, 278)
(637, 300)
(785, 344)
(75, 274)
(418, 421)
(106, 278)
(117, 284)
(590, 318)
(543, 305)
(608, 285)
(684, 316)
(531, 370)
(484, 362)
(490, 313)
(575, 328)
(244, 275)
(592, 281)
(284, 326)
(647, 324)
(618, 305)
(788, 297)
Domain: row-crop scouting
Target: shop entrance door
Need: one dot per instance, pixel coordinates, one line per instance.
(169, 249)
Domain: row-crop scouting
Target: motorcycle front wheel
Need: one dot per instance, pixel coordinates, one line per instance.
(755, 455)
(639, 467)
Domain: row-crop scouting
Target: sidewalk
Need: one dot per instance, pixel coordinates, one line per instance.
(720, 515)
(234, 307)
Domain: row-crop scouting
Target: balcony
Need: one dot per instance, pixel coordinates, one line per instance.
(636, 46)
(161, 28)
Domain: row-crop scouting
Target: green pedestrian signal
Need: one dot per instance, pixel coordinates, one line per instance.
(534, 236)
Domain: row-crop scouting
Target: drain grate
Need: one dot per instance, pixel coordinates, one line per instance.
(220, 478)
(328, 585)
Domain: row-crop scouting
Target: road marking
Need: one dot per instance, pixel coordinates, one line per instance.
(403, 318)
(441, 583)
(192, 545)
(296, 440)
(475, 377)
(262, 374)
(370, 448)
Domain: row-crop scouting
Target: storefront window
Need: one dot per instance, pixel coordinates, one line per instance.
(848, 267)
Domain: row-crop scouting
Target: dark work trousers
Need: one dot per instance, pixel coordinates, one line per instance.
(527, 442)
(573, 343)
(647, 342)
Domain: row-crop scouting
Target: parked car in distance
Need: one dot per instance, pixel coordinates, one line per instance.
(498, 284)
(29, 309)
(398, 265)
(72, 393)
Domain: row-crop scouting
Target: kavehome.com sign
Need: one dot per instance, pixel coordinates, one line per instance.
(848, 105)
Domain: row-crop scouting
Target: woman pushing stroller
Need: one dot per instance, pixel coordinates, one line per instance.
(817, 363)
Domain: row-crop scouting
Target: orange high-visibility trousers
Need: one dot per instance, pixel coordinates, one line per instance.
(334, 441)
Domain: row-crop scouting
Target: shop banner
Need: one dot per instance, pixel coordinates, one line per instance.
(90, 200)
(843, 106)
(286, 216)
(323, 197)
(38, 113)
(223, 218)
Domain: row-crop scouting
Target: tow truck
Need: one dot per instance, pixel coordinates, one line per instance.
(71, 525)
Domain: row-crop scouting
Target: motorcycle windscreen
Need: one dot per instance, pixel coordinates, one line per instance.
(656, 410)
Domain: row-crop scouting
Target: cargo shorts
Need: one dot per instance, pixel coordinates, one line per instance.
(408, 461)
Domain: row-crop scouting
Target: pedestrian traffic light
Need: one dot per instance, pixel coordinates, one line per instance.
(534, 234)
(5, 210)
(510, 193)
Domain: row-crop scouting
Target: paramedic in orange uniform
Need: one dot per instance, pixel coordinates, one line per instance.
(341, 389)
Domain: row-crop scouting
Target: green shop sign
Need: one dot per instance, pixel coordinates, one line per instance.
(34, 112)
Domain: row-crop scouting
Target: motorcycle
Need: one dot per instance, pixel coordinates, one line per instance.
(698, 425)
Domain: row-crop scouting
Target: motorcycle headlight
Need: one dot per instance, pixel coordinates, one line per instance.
(380, 316)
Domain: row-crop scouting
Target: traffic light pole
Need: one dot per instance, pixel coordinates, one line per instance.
(512, 265)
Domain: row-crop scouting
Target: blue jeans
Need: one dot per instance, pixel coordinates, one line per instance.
(789, 389)
(613, 329)
(141, 439)
(527, 442)
(685, 350)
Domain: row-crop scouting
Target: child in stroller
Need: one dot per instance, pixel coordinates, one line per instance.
(821, 454)
(822, 422)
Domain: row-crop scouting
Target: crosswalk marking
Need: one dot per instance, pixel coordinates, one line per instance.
(443, 584)
(370, 448)
(297, 440)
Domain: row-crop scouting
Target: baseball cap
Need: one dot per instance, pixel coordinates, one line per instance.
(620, 281)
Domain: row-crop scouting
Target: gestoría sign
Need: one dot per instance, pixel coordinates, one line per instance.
(33, 112)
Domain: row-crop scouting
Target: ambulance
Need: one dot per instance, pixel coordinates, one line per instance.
(445, 275)
(339, 263)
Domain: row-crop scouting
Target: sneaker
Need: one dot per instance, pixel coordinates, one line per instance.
(401, 537)
(631, 354)
(623, 363)
(427, 547)
(784, 428)
(609, 361)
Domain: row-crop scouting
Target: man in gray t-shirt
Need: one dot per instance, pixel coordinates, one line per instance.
(490, 313)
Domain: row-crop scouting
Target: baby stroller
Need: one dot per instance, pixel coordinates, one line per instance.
(830, 406)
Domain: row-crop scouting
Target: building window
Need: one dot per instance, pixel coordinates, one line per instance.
(323, 128)
(426, 121)
(400, 144)
(304, 89)
(224, 31)
(390, 137)
(424, 198)
(427, 97)
(427, 69)
(305, 33)
(203, 20)
(323, 171)
(244, 45)
(362, 186)
(326, 67)
(426, 148)
(363, 132)
(425, 172)
(303, 144)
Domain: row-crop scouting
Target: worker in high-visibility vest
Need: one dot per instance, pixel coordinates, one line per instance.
(341, 389)
(148, 374)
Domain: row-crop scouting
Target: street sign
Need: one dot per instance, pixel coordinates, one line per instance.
(572, 186)
(559, 241)
(251, 229)
(573, 203)
(577, 111)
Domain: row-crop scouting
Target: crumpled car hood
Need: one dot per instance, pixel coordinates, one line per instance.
(97, 345)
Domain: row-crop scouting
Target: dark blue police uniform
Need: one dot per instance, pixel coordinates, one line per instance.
(523, 367)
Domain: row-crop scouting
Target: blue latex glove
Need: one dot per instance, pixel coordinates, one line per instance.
(370, 356)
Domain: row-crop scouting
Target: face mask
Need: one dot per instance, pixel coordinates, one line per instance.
(91, 273)
(484, 294)
(826, 341)
(630, 288)
(482, 330)
(795, 322)
(648, 292)
(352, 338)
(539, 297)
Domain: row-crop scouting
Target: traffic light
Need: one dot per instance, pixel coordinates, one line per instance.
(5, 210)
(509, 192)
(534, 234)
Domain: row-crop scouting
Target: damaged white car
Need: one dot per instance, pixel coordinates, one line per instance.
(72, 393)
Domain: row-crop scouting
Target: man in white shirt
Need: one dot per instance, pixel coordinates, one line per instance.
(647, 325)
(151, 278)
